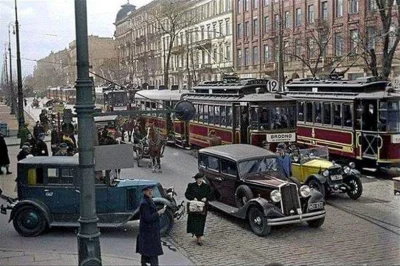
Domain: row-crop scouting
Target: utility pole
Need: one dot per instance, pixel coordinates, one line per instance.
(12, 96)
(21, 118)
(281, 71)
(89, 234)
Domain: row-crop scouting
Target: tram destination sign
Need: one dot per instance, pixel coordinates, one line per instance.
(281, 137)
(396, 139)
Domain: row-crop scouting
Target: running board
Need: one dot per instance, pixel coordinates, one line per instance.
(223, 207)
(373, 170)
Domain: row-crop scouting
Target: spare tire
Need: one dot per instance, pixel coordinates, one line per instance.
(242, 195)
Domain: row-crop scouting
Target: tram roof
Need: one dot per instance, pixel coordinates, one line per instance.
(344, 95)
(172, 95)
(254, 97)
(237, 152)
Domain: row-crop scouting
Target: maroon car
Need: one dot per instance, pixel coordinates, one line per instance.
(247, 183)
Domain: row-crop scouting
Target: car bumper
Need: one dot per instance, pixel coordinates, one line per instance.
(296, 218)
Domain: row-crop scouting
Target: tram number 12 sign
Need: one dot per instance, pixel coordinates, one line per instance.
(272, 86)
(281, 137)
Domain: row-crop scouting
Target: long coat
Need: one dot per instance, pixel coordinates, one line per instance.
(149, 238)
(24, 135)
(197, 222)
(41, 148)
(4, 159)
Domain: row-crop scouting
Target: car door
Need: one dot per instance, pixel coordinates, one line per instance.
(210, 165)
(230, 180)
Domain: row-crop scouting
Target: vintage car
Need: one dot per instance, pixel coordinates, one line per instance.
(312, 167)
(247, 183)
(49, 196)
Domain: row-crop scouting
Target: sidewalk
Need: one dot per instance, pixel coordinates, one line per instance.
(19, 257)
(12, 122)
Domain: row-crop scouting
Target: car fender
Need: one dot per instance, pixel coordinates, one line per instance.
(315, 197)
(163, 201)
(354, 172)
(321, 178)
(268, 208)
(38, 204)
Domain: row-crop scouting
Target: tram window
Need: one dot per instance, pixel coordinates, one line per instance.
(347, 115)
(393, 122)
(201, 113)
(337, 114)
(382, 116)
(264, 117)
(309, 112)
(318, 113)
(217, 115)
(160, 107)
(228, 116)
(211, 117)
(300, 111)
(237, 116)
(205, 114)
(254, 115)
(222, 113)
(359, 115)
(327, 113)
(280, 118)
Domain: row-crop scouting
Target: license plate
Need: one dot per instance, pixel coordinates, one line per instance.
(316, 206)
(336, 177)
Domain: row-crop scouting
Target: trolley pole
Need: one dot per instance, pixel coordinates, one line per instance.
(89, 235)
(21, 118)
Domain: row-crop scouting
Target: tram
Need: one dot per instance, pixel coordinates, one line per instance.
(175, 130)
(242, 111)
(357, 120)
(116, 99)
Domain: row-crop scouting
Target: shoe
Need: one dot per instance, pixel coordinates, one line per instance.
(8, 173)
(199, 243)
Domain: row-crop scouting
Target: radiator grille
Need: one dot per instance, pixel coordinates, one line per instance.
(290, 199)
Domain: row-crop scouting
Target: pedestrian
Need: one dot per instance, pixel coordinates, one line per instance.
(31, 141)
(284, 160)
(25, 151)
(55, 139)
(148, 243)
(62, 150)
(41, 146)
(213, 139)
(23, 134)
(198, 191)
(4, 159)
(37, 129)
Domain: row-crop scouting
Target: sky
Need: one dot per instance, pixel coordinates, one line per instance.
(49, 25)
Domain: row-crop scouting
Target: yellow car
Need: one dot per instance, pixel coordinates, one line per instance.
(313, 168)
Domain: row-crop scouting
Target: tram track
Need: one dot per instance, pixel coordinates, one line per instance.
(390, 227)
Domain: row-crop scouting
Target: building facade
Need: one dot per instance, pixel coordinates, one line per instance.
(318, 36)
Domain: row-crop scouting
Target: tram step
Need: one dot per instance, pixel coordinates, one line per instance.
(370, 169)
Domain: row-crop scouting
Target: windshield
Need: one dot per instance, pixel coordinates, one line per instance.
(264, 164)
(312, 153)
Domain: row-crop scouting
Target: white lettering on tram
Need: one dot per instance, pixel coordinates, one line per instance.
(396, 139)
(281, 137)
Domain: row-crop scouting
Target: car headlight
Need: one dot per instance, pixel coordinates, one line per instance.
(276, 196)
(346, 170)
(296, 159)
(305, 191)
(325, 173)
(352, 165)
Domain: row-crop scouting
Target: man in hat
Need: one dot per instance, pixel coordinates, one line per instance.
(37, 130)
(24, 152)
(63, 150)
(41, 146)
(284, 160)
(148, 243)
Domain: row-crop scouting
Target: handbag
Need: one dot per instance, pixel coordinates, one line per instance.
(197, 207)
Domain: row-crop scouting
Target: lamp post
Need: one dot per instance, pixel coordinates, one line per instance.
(12, 98)
(21, 118)
(89, 234)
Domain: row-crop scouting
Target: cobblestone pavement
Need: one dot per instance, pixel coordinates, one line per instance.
(344, 239)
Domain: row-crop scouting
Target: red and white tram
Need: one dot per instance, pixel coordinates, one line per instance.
(358, 120)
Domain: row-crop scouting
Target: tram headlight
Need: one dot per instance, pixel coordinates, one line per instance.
(305, 191)
(346, 170)
(325, 173)
(276, 196)
(352, 165)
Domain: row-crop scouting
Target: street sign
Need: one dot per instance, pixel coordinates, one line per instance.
(58, 108)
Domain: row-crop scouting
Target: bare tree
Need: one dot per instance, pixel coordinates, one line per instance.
(172, 17)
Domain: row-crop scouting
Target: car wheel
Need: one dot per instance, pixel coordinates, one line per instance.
(258, 222)
(356, 187)
(166, 222)
(242, 195)
(317, 185)
(29, 221)
(316, 223)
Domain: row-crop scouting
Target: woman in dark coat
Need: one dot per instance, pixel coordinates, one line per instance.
(4, 159)
(149, 239)
(200, 191)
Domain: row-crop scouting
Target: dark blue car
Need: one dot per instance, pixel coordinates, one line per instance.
(49, 196)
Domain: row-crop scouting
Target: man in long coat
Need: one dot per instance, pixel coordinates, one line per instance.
(23, 134)
(149, 239)
(41, 146)
(4, 159)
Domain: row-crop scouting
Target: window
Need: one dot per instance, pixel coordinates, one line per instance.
(310, 15)
(246, 5)
(371, 5)
(298, 17)
(339, 8)
(227, 27)
(276, 21)
(327, 114)
(347, 115)
(309, 112)
(297, 49)
(267, 55)
(371, 38)
(337, 114)
(255, 55)
(228, 167)
(228, 53)
(255, 4)
(246, 56)
(354, 41)
(239, 31)
(239, 6)
(338, 44)
(35, 176)
(266, 24)
(300, 111)
(255, 27)
(239, 57)
(209, 162)
(353, 6)
(266, 2)
(211, 117)
(324, 11)
(324, 44)
(318, 112)
(201, 113)
(287, 19)
(246, 29)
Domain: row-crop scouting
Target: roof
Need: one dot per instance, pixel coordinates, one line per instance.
(237, 152)
(124, 11)
(167, 95)
(51, 160)
(105, 118)
(343, 95)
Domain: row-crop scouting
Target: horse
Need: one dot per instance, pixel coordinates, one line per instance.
(156, 148)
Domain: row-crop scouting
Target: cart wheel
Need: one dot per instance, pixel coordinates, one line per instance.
(29, 221)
